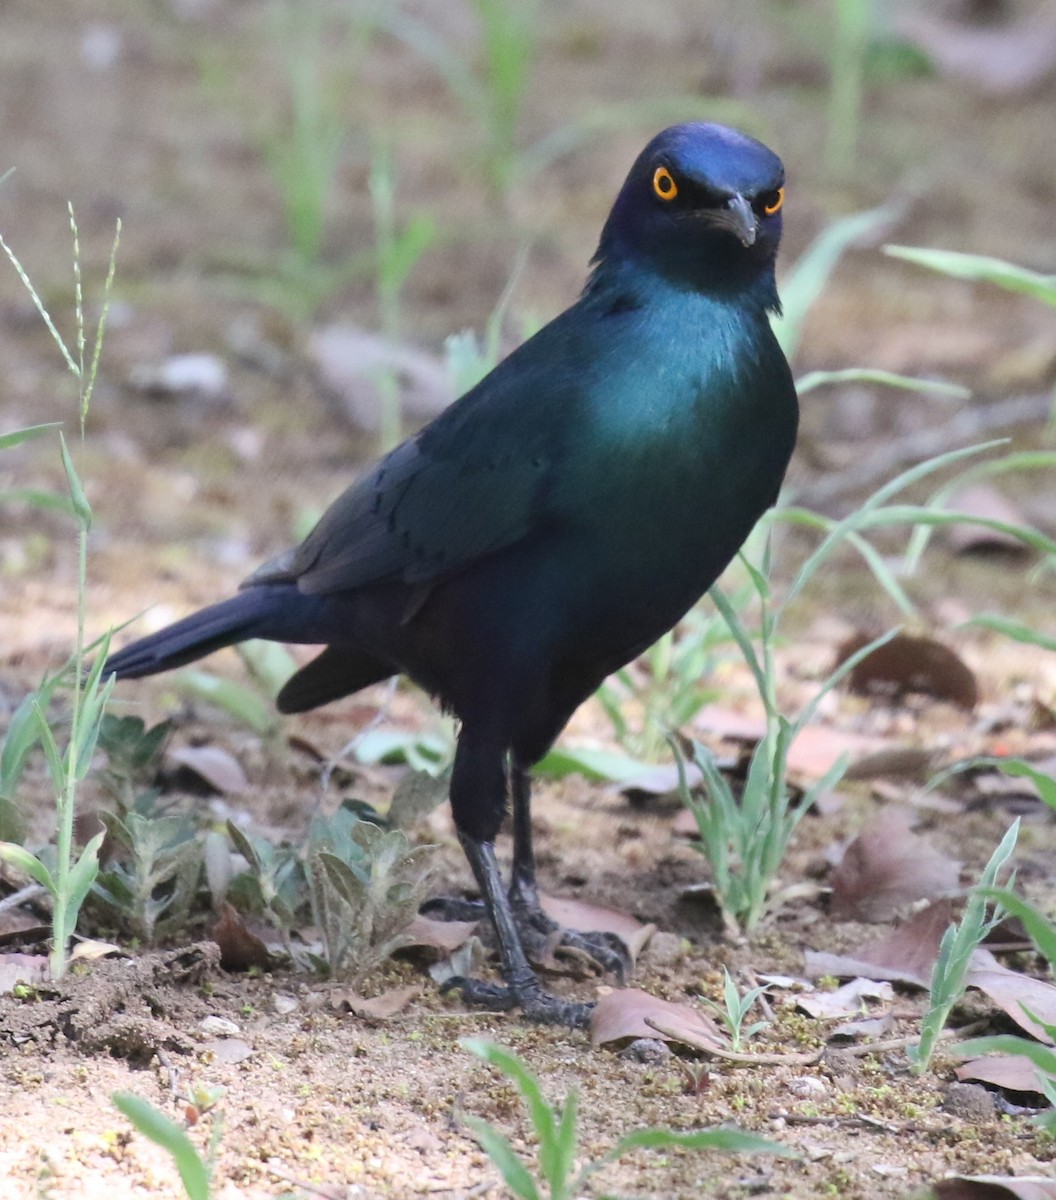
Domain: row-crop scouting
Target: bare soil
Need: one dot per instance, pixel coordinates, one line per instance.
(155, 112)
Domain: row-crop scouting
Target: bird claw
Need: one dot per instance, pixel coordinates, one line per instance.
(535, 1004)
(541, 936)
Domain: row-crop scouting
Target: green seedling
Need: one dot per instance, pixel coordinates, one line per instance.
(194, 1170)
(156, 864)
(133, 755)
(274, 883)
(366, 886)
(959, 943)
(398, 248)
(553, 1176)
(69, 879)
(733, 1010)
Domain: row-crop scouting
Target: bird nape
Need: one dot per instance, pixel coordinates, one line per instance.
(557, 519)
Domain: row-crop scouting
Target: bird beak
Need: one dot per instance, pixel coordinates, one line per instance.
(736, 215)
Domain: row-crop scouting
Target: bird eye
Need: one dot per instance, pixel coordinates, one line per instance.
(771, 201)
(663, 184)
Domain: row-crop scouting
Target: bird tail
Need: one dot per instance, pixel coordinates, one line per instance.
(256, 612)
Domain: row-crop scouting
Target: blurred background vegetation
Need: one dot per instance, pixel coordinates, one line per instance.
(315, 195)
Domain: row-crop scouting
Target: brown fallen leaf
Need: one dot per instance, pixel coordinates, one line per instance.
(239, 948)
(375, 1008)
(847, 1001)
(907, 664)
(906, 955)
(1013, 1072)
(445, 936)
(994, 1187)
(886, 867)
(89, 949)
(219, 769)
(29, 969)
(983, 500)
(1002, 59)
(1011, 990)
(818, 747)
(622, 1014)
(595, 918)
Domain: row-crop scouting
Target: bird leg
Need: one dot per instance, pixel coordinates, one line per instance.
(536, 930)
(606, 949)
(522, 989)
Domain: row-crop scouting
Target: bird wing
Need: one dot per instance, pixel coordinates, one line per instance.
(473, 482)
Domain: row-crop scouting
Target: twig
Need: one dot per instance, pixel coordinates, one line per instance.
(23, 896)
(962, 427)
(752, 980)
(751, 1060)
(902, 1043)
(172, 1074)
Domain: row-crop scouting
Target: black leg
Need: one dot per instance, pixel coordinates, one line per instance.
(478, 795)
(523, 887)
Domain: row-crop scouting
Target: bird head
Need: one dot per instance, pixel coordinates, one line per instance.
(702, 207)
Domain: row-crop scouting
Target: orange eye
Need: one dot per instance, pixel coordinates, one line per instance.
(663, 184)
(773, 202)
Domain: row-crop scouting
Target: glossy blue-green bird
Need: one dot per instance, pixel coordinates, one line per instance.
(558, 518)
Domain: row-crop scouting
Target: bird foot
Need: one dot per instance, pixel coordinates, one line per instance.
(535, 1004)
(542, 937)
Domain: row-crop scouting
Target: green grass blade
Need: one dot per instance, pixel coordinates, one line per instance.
(558, 1167)
(980, 268)
(24, 435)
(1043, 1057)
(731, 1141)
(542, 1115)
(164, 1132)
(1037, 924)
(29, 864)
(499, 1149)
(807, 279)
(238, 701)
(78, 498)
(909, 383)
(1013, 629)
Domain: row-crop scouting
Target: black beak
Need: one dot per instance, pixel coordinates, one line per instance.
(736, 215)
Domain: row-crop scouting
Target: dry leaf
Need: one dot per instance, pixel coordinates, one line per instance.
(621, 1014)
(886, 867)
(595, 918)
(906, 955)
(375, 1008)
(239, 948)
(89, 949)
(1013, 1072)
(1011, 990)
(445, 936)
(817, 749)
(868, 1027)
(726, 723)
(983, 500)
(29, 969)
(847, 1001)
(908, 664)
(220, 770)
(16, 926)
(1003, 59)
(994, 1187)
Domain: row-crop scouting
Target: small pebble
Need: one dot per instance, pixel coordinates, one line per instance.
(969, 1101)
(651, 1051)
(665, 949)
(218, 1026)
